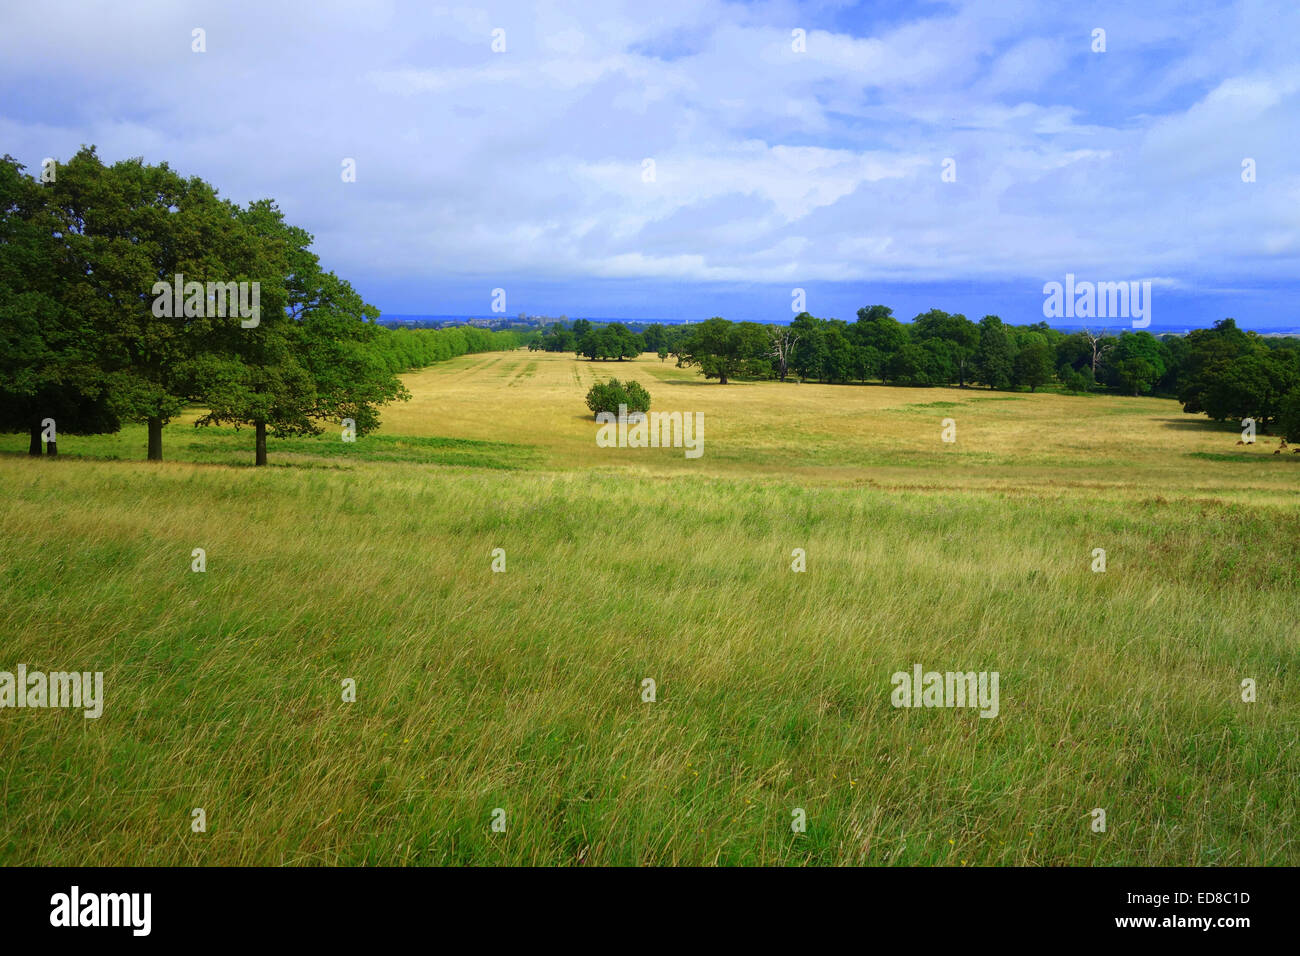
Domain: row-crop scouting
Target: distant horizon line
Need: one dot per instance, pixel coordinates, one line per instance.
(1166, 328)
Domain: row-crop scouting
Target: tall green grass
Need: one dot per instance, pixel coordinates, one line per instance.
(522, 690)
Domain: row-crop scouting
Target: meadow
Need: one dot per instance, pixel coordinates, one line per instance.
(522, 689)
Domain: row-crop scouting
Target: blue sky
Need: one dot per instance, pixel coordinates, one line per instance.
(775, 167)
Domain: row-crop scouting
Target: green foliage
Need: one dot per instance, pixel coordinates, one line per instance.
(608, 396)
(656, 338)
(556, 337)
(402, 349)
(913, 364)
(48, 366)
(1231, 374)
(1137, 362)
(1288, 418)
(1076, 380)
(613, 341)
(1033, 365)
(995, 356)
(836, 363)
(1251, 386)
(1209, 350)
(956, 340)
(724, 350)
(1075, 352)
(875, 336)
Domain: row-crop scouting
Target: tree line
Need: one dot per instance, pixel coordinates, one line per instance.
(1224, 371)
(129, 292)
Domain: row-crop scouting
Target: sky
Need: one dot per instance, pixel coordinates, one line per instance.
(681, 159)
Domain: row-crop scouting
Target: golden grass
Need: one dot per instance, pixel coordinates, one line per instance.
(809, 432)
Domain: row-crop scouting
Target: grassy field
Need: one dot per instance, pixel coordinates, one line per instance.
(522, 690)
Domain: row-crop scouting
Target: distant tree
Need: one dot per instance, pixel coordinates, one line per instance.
(1137, 362)
(1033, 365)
(942, 363)
(1208, 350)
(1288, 418)
(1176, 351)
(960, 335)
(995, 356)
(877, 335)
(1250, 386)
(783, 342)
(655, 338)
(809, 354)
(613, 341)
(1075, 379)
(837, 352)
(622, 341)
(910, 365)
(1099, 343)
(585, 345)
(723, 349)
(1074, 351)
(554, 338)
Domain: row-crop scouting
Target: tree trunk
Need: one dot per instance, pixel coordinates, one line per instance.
(155, 439)
(34, 446)
(51, 448)
(722, 378)
(260, 428)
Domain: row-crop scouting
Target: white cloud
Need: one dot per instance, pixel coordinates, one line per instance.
(770, 164)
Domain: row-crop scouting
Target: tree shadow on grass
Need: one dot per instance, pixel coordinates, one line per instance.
(1200, 424)
(689, 382)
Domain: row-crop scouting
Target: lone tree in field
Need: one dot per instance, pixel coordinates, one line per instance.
(608, 396)
(722, 349)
